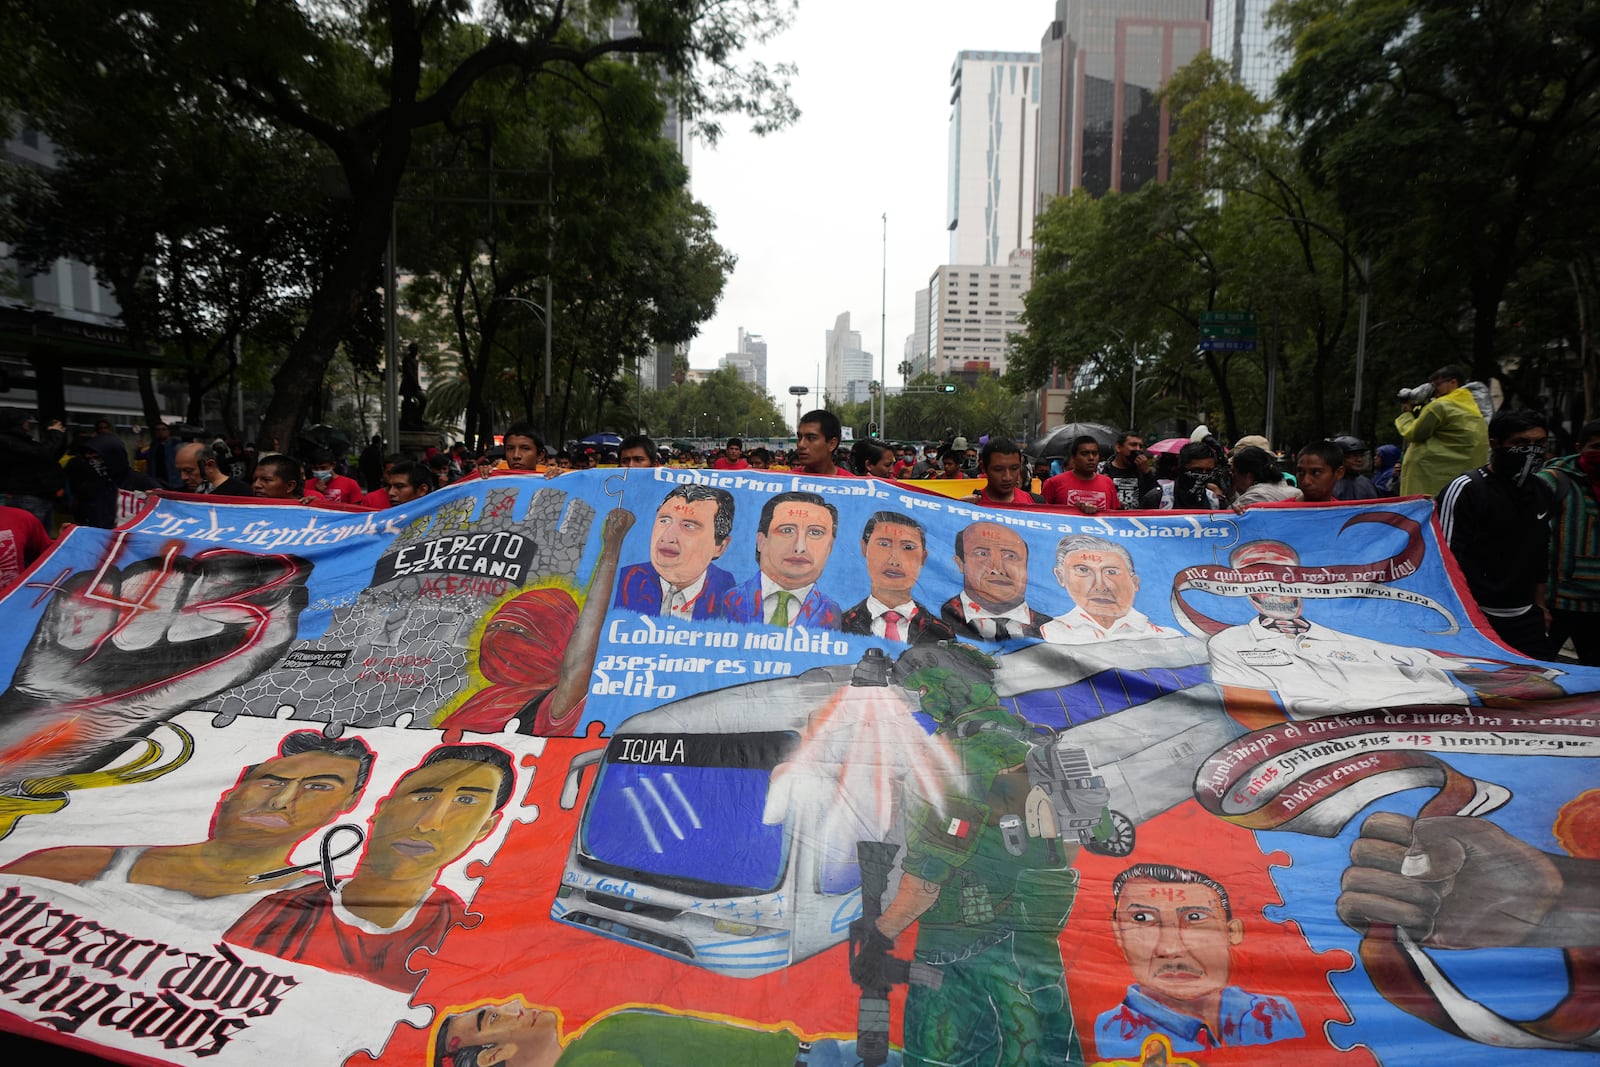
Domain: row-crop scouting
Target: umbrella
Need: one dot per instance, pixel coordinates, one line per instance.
(603, 439)
(1172, 445)
(1058, 442)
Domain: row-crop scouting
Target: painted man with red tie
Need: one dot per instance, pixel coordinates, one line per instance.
(895, 547)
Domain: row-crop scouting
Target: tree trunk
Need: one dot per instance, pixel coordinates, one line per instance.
(148, 398)
(335, 298)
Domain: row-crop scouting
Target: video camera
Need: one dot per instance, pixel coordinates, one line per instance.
(1417, 394)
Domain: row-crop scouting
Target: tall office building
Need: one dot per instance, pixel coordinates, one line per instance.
(753, 347)
(1240, 37)
(994, 107)
(1101, 63)
(750, 360)
(847, 372)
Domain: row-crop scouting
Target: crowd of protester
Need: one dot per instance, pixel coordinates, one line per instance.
(1524, 527)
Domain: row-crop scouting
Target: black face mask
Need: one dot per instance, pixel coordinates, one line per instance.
(1195, 481)
(1518, 462)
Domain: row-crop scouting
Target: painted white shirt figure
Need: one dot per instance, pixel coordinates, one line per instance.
(1317, 671)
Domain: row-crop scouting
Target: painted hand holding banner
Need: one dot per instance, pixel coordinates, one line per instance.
(667, 766)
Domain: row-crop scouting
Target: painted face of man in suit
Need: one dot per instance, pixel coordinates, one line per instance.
(895, 555)
(684, 542)
(794, 547)
(994, 566)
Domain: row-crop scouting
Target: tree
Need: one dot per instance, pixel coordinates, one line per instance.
(633, 263)
(926, 411)
(721, 406)
(1459, 138)
(363, 82)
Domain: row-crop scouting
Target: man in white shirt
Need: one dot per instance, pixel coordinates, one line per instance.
(691, 530)
(993, 602)
(895, 547)
(795, 537)
(1098, 575)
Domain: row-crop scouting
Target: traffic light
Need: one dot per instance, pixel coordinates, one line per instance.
(872, 429)
(948, 387)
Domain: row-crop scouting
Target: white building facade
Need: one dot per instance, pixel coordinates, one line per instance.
(994, 114)
(847, 371)
(973, 309)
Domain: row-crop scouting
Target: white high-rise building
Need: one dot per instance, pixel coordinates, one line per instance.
(917, 342)
(973, 311)
(847, 373)
(994, 109)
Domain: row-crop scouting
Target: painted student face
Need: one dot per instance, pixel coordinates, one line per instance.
(994, 566)
(795, 546)
(1177, 940)
(286, 798)
(895, 555)
(683, 542)
(433, 816)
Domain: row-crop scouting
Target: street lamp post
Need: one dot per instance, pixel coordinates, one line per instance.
(799, 393)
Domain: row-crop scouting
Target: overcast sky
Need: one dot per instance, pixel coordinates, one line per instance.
(803, 208)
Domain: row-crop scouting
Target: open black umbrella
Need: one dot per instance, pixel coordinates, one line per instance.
(1058, 441)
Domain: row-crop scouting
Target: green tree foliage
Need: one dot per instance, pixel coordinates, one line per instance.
(631, 259)
(722, 406)
(1461, 141)
(358, 88)
(925, 412)
(1237, 227)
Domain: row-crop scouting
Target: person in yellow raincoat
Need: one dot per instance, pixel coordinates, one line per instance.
(1444, 436)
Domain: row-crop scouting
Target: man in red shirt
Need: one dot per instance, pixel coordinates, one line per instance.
(1004, 481)
(816, 440)
(1081, 486)
(330, 485)
(733, 458)
(22, 540)
(378, 495)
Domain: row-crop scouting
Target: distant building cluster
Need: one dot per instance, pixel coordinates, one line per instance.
(1025, 127)
(749, 360)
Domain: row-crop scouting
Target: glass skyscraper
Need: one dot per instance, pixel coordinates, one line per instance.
(1101, 63)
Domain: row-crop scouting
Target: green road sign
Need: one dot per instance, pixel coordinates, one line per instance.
(1227, 317)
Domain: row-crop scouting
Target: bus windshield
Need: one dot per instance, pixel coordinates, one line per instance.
(684, 811)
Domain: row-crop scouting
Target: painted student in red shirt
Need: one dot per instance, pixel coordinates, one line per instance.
(1081, 486)
(371, 923)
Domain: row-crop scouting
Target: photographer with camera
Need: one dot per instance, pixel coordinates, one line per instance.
(1444, 431)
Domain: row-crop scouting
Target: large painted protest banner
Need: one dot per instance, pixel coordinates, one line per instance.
(689, 767)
